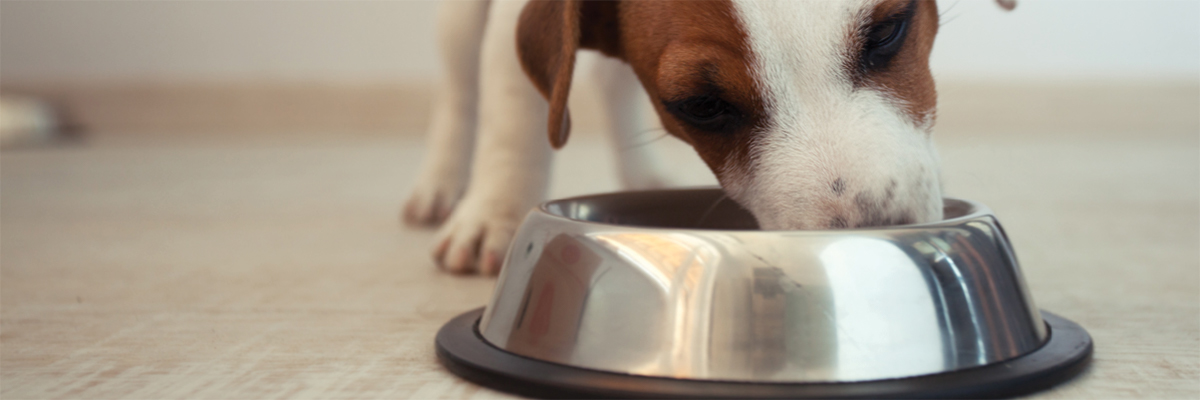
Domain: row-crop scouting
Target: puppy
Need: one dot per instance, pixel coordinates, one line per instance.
(812, 114)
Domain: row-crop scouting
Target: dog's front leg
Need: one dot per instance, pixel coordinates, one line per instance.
(512, 156)
(452, 127)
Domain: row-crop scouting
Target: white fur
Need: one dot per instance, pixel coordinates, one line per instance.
(823, 129)
(444, 173)
(512, 157)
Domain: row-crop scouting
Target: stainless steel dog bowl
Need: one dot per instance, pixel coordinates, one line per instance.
(674, 293)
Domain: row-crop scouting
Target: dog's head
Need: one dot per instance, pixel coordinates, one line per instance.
(812, 114)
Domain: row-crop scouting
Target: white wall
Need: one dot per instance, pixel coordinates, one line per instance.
(217, 40)
(392, 40)
(1069, 39)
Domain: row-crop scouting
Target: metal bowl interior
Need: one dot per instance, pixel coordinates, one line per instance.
(701, 208)
(677, 283)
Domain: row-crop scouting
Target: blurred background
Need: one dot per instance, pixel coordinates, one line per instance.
(368, 66)
(221, 220)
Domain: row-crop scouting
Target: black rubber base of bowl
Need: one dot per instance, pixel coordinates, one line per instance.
(464, 352)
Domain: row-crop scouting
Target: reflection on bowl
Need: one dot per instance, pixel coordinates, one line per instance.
(677, 283)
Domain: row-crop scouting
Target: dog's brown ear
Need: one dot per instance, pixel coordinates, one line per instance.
(547, 38)
(549, 33)
(1008, 5)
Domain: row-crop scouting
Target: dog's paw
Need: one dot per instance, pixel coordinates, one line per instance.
(475, 239)
(431, 202)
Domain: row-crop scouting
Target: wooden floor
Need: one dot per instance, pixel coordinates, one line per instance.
(221, 267)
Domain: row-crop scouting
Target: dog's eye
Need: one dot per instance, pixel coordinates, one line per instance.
(884, 40)
(704, 108)
(705, 112)
(883, 34)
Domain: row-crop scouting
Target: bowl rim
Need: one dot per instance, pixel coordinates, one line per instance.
(462, 348)
(974, 210)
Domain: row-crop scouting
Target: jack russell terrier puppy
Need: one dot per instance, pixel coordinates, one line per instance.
(813, 114)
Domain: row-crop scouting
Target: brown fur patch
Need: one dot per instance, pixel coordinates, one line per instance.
(677, 48)
(547, 39)
(681, 49)
(907, 75)
(549, 33)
